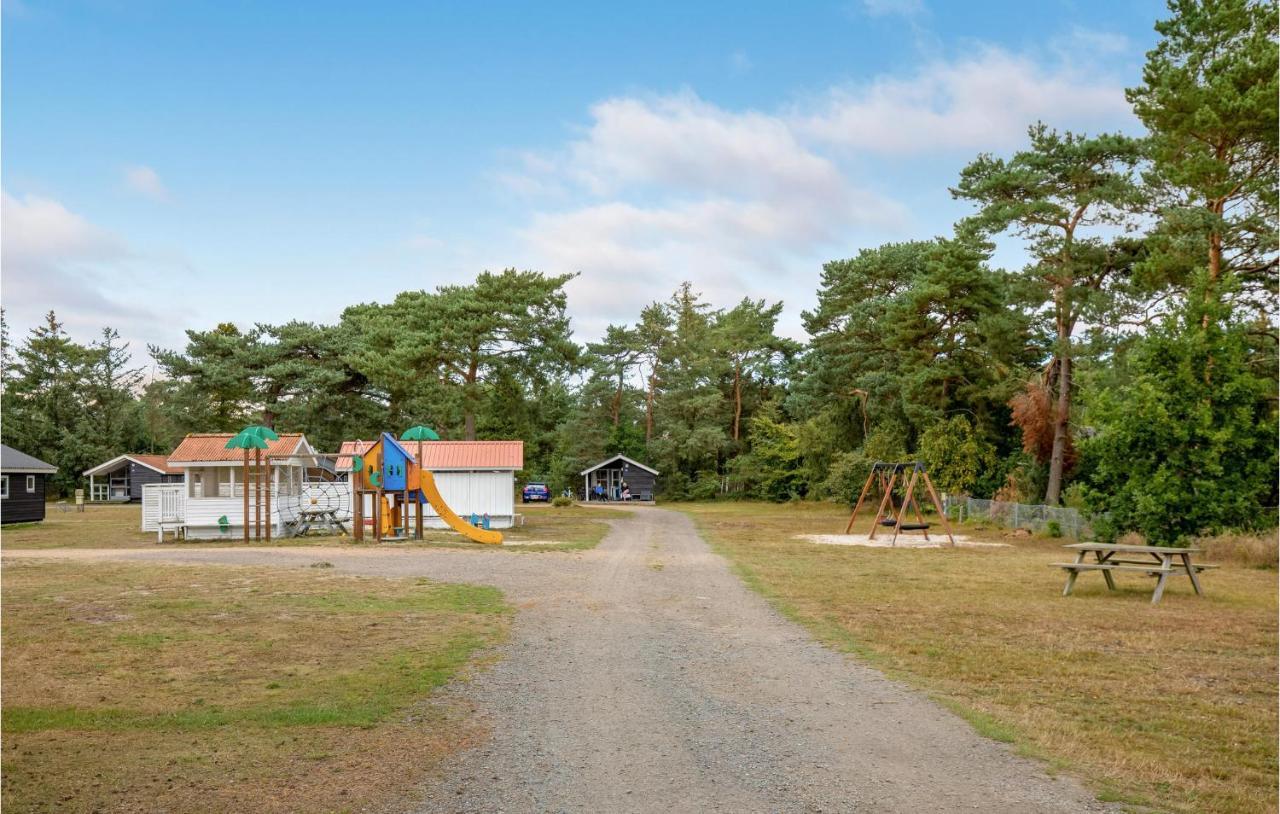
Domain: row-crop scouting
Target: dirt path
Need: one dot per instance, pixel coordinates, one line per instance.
(644, 677)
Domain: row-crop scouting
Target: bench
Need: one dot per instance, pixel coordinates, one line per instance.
(1108, 559)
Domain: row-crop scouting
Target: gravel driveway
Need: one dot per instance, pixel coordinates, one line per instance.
(643, 676)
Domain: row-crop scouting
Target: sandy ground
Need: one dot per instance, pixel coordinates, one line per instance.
(883, 540)
(642, 676)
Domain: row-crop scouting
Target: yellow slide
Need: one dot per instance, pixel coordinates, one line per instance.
(429, 492)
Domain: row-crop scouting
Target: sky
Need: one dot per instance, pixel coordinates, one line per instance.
(169, 166)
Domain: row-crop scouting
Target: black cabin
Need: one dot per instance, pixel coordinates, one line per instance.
(121, 479)
(22, 486)
(611, 474)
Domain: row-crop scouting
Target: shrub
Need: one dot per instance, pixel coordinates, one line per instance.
(955, 455)
(561, 501)
(1053, 528)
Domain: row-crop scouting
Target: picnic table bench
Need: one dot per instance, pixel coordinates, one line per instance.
(1156, 561)
(325, 520)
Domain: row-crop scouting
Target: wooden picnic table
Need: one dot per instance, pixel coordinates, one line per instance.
(321, 519)
(1157, 561)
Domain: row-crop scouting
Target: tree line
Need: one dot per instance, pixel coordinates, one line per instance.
(1129, 369)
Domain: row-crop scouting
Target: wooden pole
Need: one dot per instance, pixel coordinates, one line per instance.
(911, 485)
(268, 479)
(937, 505)
(888, 490)
(417, 504)
(245, 489)
(257, 495)
(357, 508)
(866, 487)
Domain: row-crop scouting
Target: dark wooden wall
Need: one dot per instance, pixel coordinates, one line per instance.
(140, 476)
(22, 506)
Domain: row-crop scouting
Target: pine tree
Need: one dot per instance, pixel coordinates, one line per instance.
(1051, 194)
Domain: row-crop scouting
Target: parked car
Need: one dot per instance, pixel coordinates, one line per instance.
(535, 491)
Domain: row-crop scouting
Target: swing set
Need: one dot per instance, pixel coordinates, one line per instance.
(888, 476)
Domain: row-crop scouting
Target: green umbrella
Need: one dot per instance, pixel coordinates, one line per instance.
(420, 433)
(262, 432)
(246, 440)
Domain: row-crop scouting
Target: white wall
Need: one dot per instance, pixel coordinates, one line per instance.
(480, 493)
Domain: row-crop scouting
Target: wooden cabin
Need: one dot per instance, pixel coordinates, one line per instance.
(612, 474)
(22, 486)
(120, 480)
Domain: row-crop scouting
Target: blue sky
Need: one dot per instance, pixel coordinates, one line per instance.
(174, 165)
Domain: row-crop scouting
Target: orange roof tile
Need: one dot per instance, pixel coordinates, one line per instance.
(160, 462)
(443, 455)
(212, 447)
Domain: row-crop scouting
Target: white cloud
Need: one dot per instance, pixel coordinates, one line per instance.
(52, 258)
(668, 188)
(146, 181)
(660, 189)
(981, 102)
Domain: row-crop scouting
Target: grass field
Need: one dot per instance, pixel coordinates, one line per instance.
(566, 529)
(1171, 706)
(176, 688)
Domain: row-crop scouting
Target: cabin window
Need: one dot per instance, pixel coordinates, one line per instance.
(31, 483)
(4, 485)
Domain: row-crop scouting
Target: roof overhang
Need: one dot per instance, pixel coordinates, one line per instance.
(119, 459)
(608, 461)
(28, 470)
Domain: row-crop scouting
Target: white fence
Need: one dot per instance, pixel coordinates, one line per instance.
(163, 502)
(1015, 515)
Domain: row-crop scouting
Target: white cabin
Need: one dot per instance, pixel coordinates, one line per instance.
(213, 484)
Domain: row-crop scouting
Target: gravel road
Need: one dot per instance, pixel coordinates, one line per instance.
(643, 676)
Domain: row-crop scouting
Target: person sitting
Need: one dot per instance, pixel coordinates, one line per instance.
(599, 492)
(626, 493)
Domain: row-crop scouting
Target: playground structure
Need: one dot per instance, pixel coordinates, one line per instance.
(887, 477)
(391, 475)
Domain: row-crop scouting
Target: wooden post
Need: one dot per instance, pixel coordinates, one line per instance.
(937, 505)
(245, 489)
(866, 487)
(417, 504)
(257, 494)
(911, 485)
(888, 490)
(377, 515)
(357, 508)
(267, 476)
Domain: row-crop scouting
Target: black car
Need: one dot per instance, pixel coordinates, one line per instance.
(535, 491)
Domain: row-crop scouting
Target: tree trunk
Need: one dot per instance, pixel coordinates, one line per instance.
(469, 412)
(1215, 262)
(648, 405)
(737, 399)
(1062, 418)
(617, 402)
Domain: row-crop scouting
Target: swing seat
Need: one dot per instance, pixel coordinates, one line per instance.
(914, 526)
(889, 521)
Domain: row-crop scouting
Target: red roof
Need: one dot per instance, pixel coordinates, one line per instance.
(160, 462)
(212, 447)
(442, 455)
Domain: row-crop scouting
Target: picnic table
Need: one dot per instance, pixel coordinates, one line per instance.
(322, 519)
(1156, 561)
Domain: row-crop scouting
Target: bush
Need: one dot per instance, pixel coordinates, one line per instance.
(955, 455)
(1053, 528)
(561, 501)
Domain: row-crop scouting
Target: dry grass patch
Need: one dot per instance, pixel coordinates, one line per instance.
(141, 687)
(1172, 705)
